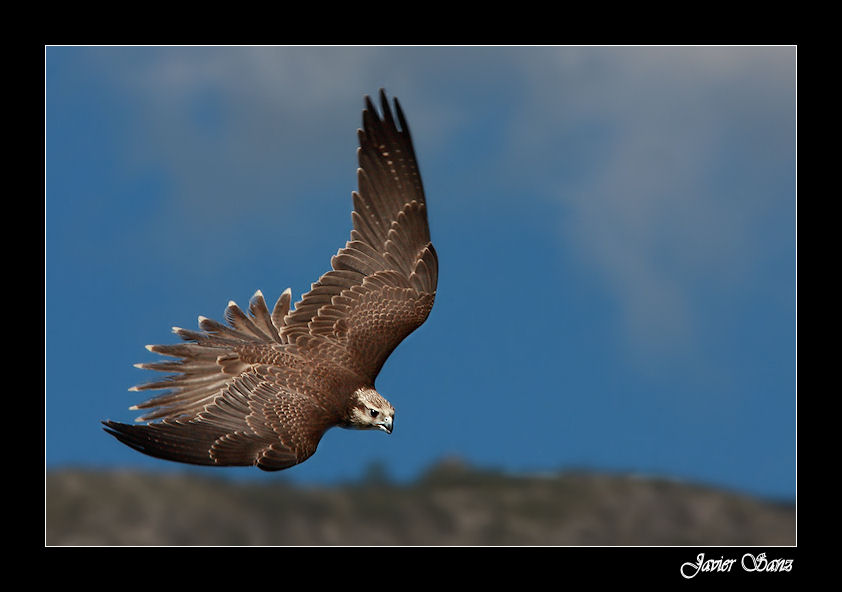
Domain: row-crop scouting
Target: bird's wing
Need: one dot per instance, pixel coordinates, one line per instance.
(253, 421)
(383, 282)
(227, 401)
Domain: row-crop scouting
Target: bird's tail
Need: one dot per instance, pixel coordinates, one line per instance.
(206, 366)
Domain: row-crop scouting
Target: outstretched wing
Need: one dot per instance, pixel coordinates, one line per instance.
(383, 283)
(226, 402)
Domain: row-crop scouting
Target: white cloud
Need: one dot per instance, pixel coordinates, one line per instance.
(685, 150)
(244, 137)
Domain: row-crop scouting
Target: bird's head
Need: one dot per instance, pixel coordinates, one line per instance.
(370, 411)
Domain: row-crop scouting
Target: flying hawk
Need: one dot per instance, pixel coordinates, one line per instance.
(263, 389)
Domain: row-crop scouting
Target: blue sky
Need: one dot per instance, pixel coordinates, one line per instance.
(615, 227)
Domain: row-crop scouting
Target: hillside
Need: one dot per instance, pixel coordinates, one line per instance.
(451, 505)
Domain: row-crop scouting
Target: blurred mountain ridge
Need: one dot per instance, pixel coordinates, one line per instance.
(451, 504)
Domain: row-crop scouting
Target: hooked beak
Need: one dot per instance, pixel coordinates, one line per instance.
(386, 425)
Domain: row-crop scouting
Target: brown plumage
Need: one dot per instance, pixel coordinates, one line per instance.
(263, 388)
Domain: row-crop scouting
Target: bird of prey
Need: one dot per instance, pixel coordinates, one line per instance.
(264, 388)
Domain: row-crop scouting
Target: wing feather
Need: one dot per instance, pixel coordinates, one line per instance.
(252, 420)
(383, 282)
(280, 311)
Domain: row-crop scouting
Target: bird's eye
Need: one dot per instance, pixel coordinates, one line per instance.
(373, 412)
